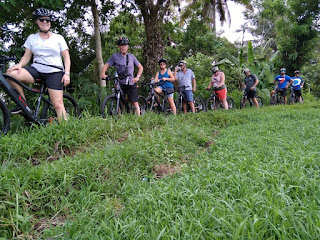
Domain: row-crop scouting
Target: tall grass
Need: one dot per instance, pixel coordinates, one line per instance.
(249, 174)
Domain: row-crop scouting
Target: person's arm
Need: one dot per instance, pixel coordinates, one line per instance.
(156, 78)
(223, 78)
(302, 83)
(104, 70)
(210, 84)
(171, 77)
(255, 83)
(140, 70)
(67, 64)
(23, 61)
(194, 85)
(289, 79)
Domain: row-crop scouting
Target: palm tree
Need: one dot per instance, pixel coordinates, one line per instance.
(207, 9)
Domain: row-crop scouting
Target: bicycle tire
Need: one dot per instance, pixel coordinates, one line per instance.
(179, 105)
(199, 105)
(273, 100)
(243, 102)
(210, 104)
(260, 101)
(150, 101)
(142, 104)
(108, 106)
(230, 103)
(70, 105)
(292, 98)
(4, 118)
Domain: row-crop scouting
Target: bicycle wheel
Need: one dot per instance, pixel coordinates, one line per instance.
(199, 105)
(243, 102)
(4, 118)
(70, 105)
(292, 98)
(260, 102)
(273, 100)
(166, 107)
(178, 103)
(151, 104)
(230, 103)
(142, 104)
(210, 104)
(108, 106)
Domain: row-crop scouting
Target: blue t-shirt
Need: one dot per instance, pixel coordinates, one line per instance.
(167, 84)
(282, 81)
(296, 84)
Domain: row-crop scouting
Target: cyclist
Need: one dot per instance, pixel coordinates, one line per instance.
(187, 80)
(125, 63)
(166, 77)
(47, 48)
(219, 86)
(281, 81)
(251, 82)
(297, 84)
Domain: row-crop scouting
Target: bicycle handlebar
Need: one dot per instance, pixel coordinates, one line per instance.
(4, 59)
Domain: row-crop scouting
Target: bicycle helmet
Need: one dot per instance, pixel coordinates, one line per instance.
(283, 70)
(296, 72)
(246, 70)
(215, 69)
(123, 41)
(41, 12)
(162, 60)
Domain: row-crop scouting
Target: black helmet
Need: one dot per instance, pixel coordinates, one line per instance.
(215, 69)
(296, 72)
(162, 60)
(123, 41)
(41, 12)
(283, 70)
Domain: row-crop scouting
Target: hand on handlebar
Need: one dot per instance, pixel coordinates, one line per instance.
(17, 67)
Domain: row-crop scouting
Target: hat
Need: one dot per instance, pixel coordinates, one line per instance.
(182, 62)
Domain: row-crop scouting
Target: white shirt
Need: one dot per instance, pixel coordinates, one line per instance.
(47, 51)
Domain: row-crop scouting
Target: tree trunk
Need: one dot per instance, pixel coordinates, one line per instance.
(97, 39)
(153, 50)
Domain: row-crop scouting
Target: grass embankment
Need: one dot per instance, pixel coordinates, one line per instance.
(244, 174)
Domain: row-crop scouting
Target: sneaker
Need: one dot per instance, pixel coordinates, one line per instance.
(16, 110)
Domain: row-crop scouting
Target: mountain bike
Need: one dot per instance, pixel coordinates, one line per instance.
(277, 98)
(117, 103)
(199, 104)
(246, 101)
(214, 102)
(41, 112)
(154, 104)
(293, 98)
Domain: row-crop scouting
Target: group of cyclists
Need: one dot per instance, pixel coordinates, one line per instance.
(282, 83)
(48, 49)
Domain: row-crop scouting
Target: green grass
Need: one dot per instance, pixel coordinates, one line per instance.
(241, 174)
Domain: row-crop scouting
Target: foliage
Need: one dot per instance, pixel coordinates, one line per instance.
(93, 177)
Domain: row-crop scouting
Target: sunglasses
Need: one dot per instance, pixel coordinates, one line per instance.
(48, 20)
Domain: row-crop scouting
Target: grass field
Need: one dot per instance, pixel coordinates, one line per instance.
(241, 174)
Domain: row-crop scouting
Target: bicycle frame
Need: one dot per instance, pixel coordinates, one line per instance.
(155, 96)
(118, 93)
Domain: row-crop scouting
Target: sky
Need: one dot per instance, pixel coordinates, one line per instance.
(237, 19)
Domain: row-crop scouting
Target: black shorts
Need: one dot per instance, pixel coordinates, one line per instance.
(297, 93)
(131, 91)
(251, 93)
(52, 80)
(282, 91)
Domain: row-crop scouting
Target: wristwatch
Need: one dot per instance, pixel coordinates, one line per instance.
(68, 73)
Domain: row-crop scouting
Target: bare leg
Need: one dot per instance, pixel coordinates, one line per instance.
(172, 105)
(192, 106)
(255, 101)
(24, 76)
(56, 97)
(285, 100)
(225, 104)
(136, 108)
(184, 106)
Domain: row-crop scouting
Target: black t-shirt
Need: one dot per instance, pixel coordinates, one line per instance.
(250, 80)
